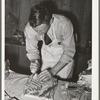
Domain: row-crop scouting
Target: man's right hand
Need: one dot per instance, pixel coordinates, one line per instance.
(34, 66)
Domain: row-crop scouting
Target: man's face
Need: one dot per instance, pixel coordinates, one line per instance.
(42, 29)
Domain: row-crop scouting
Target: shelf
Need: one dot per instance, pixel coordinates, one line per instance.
(12, 41)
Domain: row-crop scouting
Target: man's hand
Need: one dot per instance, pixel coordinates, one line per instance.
(45, 75)
(34, 66)
(35, 84)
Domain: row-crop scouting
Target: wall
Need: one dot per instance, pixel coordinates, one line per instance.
(11, 16)
(79, 11)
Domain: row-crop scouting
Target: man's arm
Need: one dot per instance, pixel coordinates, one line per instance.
(31, 47)
(69, 49)
(31, 43)
(67, 56)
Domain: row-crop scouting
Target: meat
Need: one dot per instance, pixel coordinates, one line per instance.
(39, 88)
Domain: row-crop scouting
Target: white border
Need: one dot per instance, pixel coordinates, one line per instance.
(95, 54)
(3, 46)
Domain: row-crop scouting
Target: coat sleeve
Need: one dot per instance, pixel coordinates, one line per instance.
(68, 43)
(31, 44)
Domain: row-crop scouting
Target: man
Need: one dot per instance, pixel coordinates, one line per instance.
(57, 56)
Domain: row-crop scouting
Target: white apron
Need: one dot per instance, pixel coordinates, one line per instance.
(51, 54)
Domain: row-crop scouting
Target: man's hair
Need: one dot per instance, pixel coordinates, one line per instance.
(39, 15)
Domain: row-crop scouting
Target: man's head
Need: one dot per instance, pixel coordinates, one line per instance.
(40, 19)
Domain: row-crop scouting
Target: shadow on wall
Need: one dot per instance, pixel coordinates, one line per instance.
(11, 24)
(50, 5)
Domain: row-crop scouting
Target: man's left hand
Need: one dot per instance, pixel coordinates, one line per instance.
(45, 75)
